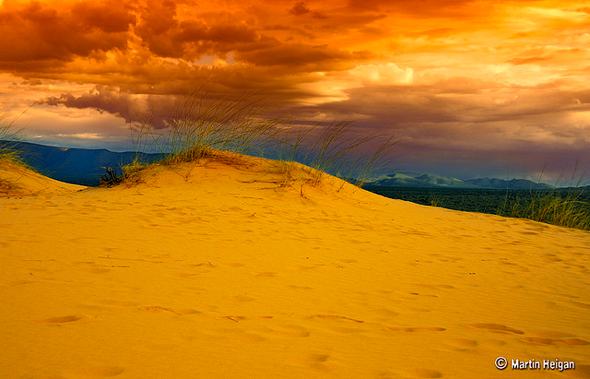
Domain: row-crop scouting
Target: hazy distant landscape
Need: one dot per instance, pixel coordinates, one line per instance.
(85, 167)
(473, 199)
(73, 165)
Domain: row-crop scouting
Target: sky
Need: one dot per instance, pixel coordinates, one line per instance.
(467, 88)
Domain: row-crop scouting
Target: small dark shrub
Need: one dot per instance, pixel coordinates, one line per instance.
(110, 178)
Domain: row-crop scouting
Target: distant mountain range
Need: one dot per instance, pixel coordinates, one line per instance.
(409, 179)
(86, 166)
(72, 165)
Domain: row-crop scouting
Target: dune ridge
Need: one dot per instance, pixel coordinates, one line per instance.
(18, 180)
(240, 267)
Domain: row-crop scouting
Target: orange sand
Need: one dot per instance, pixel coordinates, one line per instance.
(216, 270)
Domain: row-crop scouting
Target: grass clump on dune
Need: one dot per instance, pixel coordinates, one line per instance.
(8, 153)
(8, 137)
(129, 173)
(200, 126)
(5, 134)
(336, 148)
(558, 207)
(204, 124)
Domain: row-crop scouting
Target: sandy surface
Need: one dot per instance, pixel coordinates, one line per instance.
(217, 270)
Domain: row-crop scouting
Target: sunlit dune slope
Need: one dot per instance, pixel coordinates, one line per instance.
(239, 267)
(18, 180)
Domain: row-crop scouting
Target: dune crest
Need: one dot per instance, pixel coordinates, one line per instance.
(19, 180)
(244, 267)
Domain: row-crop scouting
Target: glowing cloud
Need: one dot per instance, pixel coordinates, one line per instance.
(460, 76)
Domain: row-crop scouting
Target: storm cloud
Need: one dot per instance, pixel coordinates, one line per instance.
(453, 81)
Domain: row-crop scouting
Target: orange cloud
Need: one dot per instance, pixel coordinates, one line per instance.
(462, 73)
(36, 32)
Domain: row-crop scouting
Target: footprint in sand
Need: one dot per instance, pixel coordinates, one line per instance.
(462, 344)
(296, 287)
(62, 319)
(414, 329)
(160, 309)
(337, 318)
(427, 373)
(422, 294)
(157, 308)
(387, 313)
(552, 258)
(319, 360)
(546, 341)
(497, 328)
(99, 372)
(203, 265)
(267, 275)
(580, 304)
(437, 286)
(235, 318)
(189, 311)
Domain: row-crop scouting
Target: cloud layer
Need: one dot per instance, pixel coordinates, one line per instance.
(455, 81)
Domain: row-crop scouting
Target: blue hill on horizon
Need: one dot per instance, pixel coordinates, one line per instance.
(86, 166)
(75, 165)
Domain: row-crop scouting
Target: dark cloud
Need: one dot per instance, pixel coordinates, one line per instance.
(38, 32)
(301, 57)
(110, 16)
(420, 8)
(152, 109)
(299, 9)
(454, 128)
(453, 80)
(448, 101)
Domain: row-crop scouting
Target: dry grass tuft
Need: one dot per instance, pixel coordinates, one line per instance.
(336, 148)
(556, 207)
(130, 175)
(8, 137)
(203, 125)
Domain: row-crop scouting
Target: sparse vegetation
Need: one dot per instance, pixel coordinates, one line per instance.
(129, 173)
(110, 178)
(569, 207)
(203, 124)
(334, 148)
(563, 208)
(7, 137)
(434, 201)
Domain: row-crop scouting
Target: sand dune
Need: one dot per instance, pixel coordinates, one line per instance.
(17, 180)
(226, 269)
